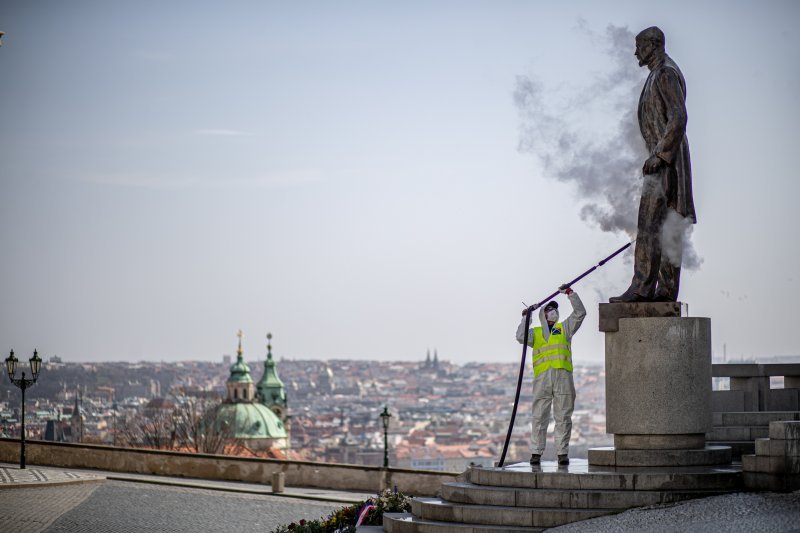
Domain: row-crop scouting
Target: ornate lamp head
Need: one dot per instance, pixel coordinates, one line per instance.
(11, 365)
(36, 365)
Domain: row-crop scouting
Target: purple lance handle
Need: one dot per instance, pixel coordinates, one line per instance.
(527, 312)
(536, 306)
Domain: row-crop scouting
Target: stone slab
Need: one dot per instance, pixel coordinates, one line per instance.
(658, 376)
(611, 313)
(770, 482)
(771, 464)
(748, 370)
(784, 430)
(751, 418)
(790, 448)
(408, 523)
(741, 433)
(727, 400)
(580, 475)
(435, 509)
(609, 456)
(738, 448)
(659, 442)
(460, 492)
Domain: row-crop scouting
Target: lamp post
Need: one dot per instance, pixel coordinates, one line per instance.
(385, 416)
(22, 383)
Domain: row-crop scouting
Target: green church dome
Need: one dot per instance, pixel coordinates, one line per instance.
(249, 421)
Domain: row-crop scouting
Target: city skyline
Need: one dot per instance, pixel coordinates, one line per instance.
(350, 177)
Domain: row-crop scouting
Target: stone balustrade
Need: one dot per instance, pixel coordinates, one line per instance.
(222, 467)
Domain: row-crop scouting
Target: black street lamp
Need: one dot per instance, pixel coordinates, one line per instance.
(385, 416)
(22, 383)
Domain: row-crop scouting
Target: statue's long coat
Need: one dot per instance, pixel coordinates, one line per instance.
(662, 121)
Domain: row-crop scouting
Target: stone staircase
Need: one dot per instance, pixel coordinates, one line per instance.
(776, 464)
(740, 430)
(523, 498)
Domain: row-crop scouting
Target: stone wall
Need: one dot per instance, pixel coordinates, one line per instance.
(220, 467)
(750, 391)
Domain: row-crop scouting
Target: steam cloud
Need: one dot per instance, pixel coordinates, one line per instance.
(605, 166)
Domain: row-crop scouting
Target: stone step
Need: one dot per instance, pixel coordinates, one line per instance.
(408, 523)
(789, 448)
(738, 447)
(771, 482)
(784, 430)
(771, 464)
(581, 475)
(723, 433)
(460, 492)
(609, 456)
(753, 418)
(495, 515)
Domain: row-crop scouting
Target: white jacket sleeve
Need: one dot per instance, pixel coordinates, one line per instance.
(521, 332)
(574, 320)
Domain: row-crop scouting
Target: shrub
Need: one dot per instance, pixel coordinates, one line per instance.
(344, 519)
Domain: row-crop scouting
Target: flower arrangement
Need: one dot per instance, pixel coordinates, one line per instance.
(368, 513)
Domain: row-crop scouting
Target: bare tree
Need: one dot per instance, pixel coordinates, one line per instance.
(199, 429)
(190, 424)
(155, 430)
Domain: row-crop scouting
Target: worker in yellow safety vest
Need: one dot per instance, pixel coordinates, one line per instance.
(552, 374)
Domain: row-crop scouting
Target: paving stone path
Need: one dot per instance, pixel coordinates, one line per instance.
(31, 508)
(118, 506)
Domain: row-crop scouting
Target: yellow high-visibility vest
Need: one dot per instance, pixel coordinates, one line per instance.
(555, 352)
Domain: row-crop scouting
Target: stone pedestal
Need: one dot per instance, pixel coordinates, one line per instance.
(658, 387)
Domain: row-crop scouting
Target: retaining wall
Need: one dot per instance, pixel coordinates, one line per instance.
(220, 467)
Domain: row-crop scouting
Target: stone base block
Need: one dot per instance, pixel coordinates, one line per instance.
(659, 442)
(772, 482)
(611, 313)
(710, 455)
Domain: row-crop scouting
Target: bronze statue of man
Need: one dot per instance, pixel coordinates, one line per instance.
(667, 171)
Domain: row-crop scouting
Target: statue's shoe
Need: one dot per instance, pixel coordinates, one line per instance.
(629, 296)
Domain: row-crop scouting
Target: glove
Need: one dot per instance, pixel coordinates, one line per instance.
(564, 289)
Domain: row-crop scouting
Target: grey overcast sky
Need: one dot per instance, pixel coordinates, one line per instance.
(347, 176)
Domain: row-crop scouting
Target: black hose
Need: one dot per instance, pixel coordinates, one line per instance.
(528, 312)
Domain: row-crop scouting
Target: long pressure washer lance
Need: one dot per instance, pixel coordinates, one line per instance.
(527, 312)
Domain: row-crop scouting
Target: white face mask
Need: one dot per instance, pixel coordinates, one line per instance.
(552, 315)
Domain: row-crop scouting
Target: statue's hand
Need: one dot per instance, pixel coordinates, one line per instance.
(652, 165)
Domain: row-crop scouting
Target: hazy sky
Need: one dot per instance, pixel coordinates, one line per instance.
(347, 176)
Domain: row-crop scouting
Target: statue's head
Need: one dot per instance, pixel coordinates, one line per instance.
(649, 42)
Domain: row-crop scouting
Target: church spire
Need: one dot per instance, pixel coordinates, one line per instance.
(240, 384)
(270, 390)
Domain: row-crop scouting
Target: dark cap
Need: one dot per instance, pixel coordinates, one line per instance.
(551, 305)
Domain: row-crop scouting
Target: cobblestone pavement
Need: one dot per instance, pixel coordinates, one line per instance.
(31, 508)
(13, 475)
(117, 506)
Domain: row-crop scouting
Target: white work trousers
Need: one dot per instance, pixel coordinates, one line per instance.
(555, 386)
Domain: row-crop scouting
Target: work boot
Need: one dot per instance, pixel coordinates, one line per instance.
(563, 459)
(536, 459)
